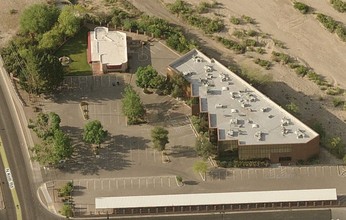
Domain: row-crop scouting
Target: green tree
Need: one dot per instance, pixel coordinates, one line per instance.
(45, 124)
(51, 39)
(145, 77)
(66, 189)
(336, 147)
(132, 106)
(53, 150)
(201, 167)
(159, 136)
(44, 73)
(204, 147)
(94, 133)
(70, 20)
(38, 18)
(66, 210)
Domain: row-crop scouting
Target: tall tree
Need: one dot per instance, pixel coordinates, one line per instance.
(145, 77)
(44, 73)
(45, 124)
(70, 20)
(201, 167)
(94, 133)
(38, 18)
(204, 147)
(159, 137)
(51, 39)
(132, 106)
(53, 150)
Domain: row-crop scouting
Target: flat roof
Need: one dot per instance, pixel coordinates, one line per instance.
(215, 198)
(108, 47)
(236, 108)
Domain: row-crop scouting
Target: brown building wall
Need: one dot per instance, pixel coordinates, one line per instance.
(280, 151)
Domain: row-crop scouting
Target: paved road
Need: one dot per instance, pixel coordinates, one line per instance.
(20, 167)
(9, 212)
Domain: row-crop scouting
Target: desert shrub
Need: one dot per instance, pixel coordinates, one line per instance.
(303, 8)
(264, 63)
(334, 91)
(341, 32)
(260, 50)
(235, 20)
(279, 43)
(327, 21)
(338, 5)
(250, 42)
(239, 33)
(233, 45)
(251, 33)
(338, 102)
(316, 78)
(301, 70)
(248, 19)
(281, 57)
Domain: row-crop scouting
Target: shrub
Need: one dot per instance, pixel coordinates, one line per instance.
(251, 33)
(248, 19)
(302, 70)
(233, 45)
(338, 5)
(327, 21)
(281, 57)
(303, 8)
(264, 63)
(250, 42)
(341, 32)
(260, 50)
(235, 20)
(279, 44)
(334, 91)
(338, 102)
(239, 33)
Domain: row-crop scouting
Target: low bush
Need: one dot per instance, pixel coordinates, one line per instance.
(279, 43)
(327, 21)
(233, 45)
(239, 34)
(301, 70)
(303, 8)
(334, 91)
(235, 20)
(263, 63)
(338, 5)
(248, 19)
(261, 50)
(281, 57)
(250, 42)
(338, 102)
(341, 32)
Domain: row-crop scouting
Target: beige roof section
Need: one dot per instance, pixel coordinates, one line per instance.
(236, 108)
(108, 47)
(216, 198)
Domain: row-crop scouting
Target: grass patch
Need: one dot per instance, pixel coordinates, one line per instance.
(303, 8)
(76, 49)
(263, 63)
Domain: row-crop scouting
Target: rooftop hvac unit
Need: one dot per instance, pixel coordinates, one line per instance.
(254, 126)
(224, 88)
(230, 133)
(234, 110)
(219, 106)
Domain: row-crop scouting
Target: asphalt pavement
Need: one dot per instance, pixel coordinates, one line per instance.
(20, 167)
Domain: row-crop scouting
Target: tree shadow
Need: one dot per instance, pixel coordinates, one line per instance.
(182, 151)
(113, 154)
(190, 182)
(219, 173)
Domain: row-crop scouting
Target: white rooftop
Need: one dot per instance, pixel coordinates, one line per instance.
(108, 47)
(236, 108)
(216, 198)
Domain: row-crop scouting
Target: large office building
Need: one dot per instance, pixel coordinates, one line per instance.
(107, 50)
(240, 116)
